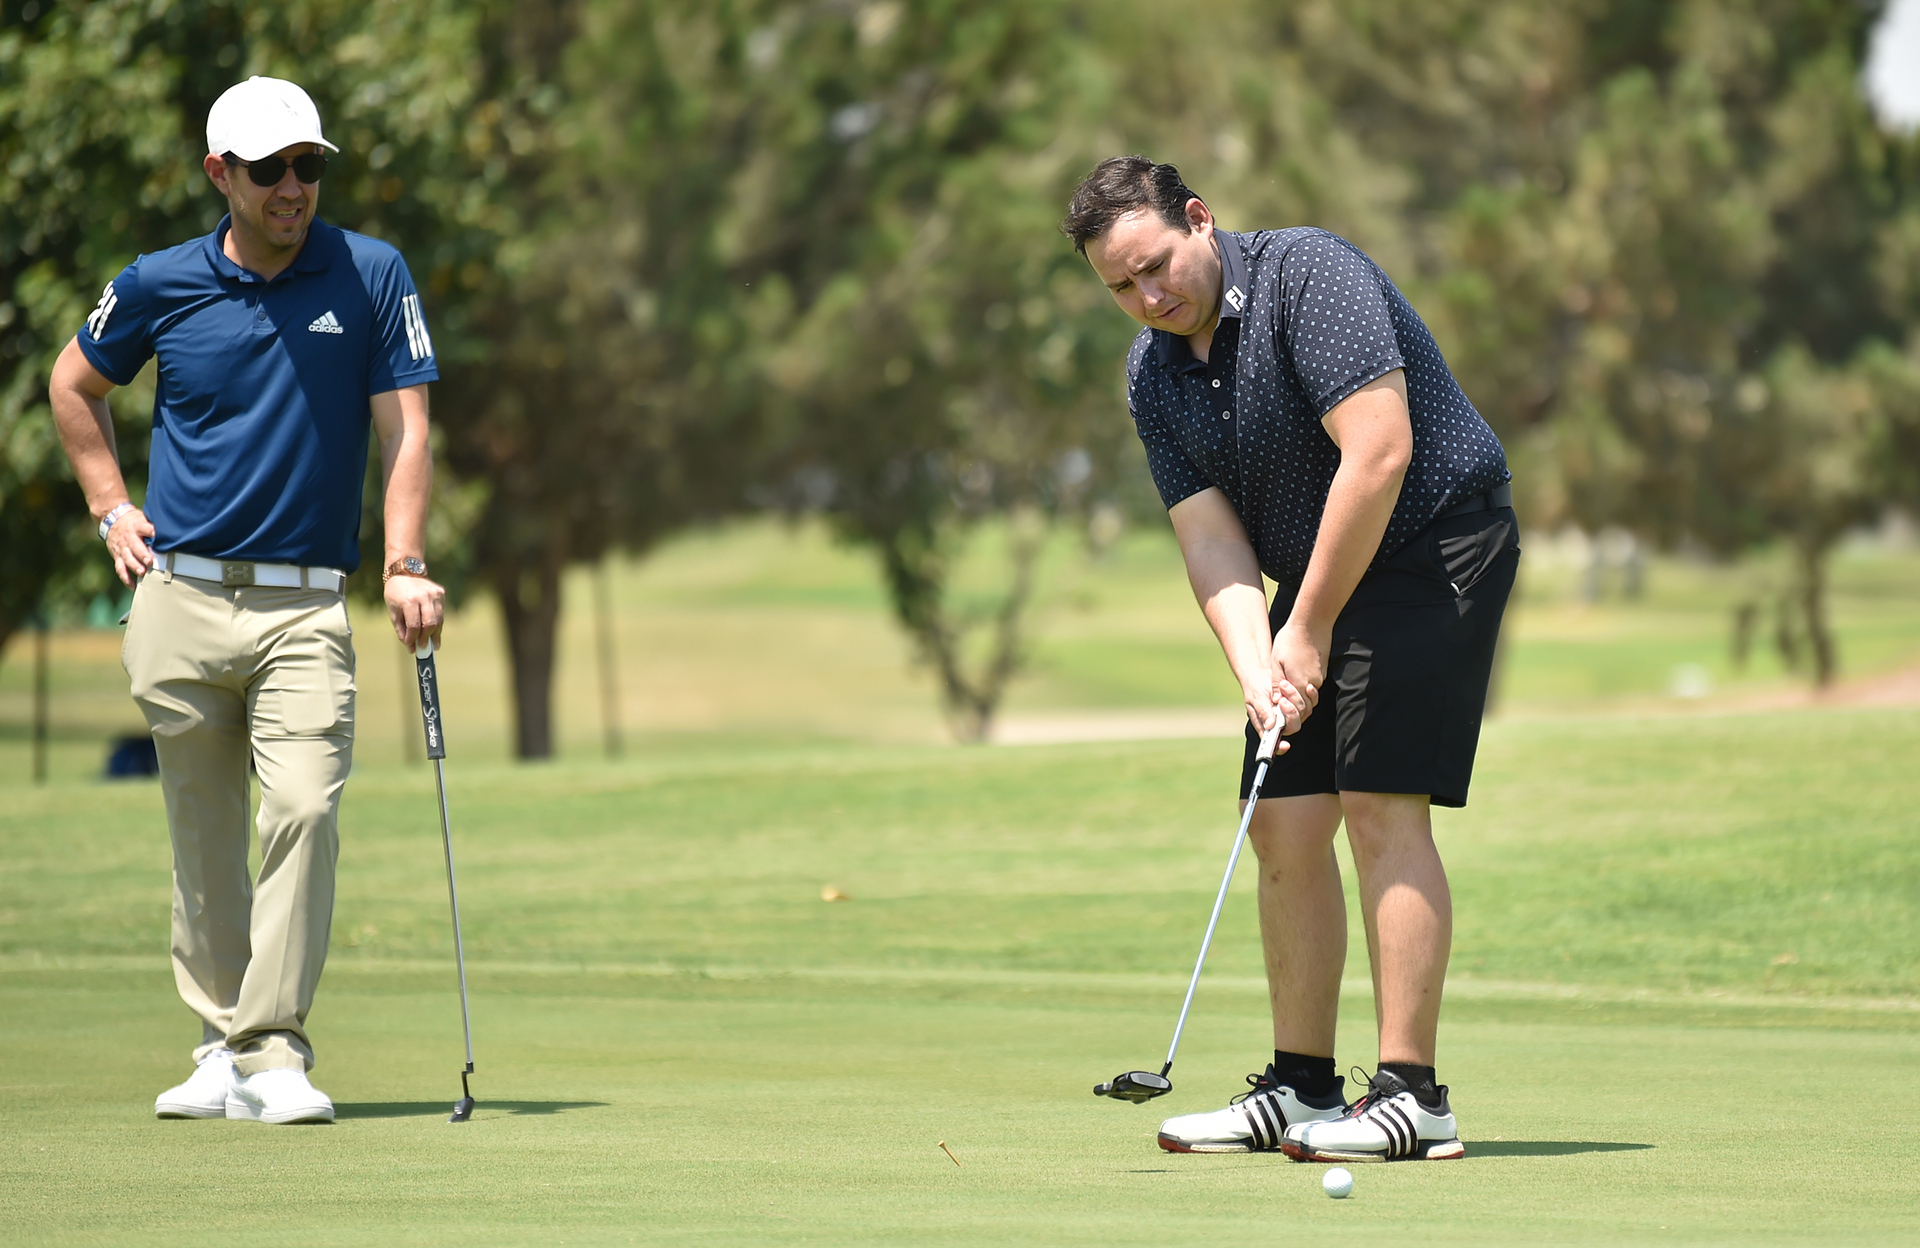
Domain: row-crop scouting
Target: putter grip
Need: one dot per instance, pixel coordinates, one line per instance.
(430, 700)
(1271, 740)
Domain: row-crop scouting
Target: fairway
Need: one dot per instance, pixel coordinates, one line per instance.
(1683, 1007)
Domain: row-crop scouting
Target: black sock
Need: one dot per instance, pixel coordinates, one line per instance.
(1309, 1076)
(1419, 1079)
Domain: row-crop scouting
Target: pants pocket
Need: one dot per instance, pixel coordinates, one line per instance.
(307, 688)
(126, 632)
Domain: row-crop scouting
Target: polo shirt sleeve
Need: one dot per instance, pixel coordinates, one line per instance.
(402, 352)
(1174, 475)
(1335, 324)
(118, 336)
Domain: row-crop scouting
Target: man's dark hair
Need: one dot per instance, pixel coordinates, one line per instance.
(1120, 185)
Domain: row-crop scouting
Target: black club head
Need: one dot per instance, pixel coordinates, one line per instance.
(462, 1109)
(1138, 1086)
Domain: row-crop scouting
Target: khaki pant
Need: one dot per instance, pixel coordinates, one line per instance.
(223, 674)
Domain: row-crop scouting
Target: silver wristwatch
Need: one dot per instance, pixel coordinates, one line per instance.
(113, 517)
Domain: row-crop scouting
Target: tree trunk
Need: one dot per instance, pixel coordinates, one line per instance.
(918, 586)
(1811, 590)
(607, 652)
(41, 665)
(530, 607)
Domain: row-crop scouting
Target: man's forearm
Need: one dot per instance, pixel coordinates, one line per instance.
(84, 424)
(406, 469)
(407, 488)
(1227, 584)
(1359, 505)
(1225, 575)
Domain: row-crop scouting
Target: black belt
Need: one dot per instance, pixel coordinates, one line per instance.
(1493, 500)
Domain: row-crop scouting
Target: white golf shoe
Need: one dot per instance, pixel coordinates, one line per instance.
(278, 1096)
(1387, 1124)
(1255, 1121)
(204, 1094)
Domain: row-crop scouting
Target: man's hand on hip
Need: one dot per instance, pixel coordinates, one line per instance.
(127, 543)
(417, 607)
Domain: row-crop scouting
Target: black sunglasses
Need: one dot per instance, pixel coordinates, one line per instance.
(268, 170)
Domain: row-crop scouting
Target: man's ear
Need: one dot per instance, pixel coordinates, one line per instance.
(218, 173)
(1198, 218)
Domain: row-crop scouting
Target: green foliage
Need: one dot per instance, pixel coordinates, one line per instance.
(685, 259)
(932, 356)
(1672, 255)
(104, 107)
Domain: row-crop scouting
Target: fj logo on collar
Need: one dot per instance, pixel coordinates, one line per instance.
(326, 324)
(1235, 298)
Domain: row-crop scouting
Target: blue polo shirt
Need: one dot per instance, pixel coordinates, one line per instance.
(261, 412)
(1306, 319)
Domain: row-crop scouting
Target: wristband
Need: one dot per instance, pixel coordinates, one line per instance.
(113, 517)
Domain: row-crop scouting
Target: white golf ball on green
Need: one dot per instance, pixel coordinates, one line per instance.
(1338, 1183)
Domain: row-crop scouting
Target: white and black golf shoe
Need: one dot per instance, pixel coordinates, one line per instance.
(1255, 1121)
(1387, 1124)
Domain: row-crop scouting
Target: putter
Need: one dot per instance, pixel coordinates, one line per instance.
(1141, 1086)
(437, 751)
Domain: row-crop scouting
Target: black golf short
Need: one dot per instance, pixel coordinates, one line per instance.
(1407, 677)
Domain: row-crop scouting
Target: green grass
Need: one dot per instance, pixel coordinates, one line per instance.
(1683, 1006)
(680, 1042)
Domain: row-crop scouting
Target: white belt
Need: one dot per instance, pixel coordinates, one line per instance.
(236, 572)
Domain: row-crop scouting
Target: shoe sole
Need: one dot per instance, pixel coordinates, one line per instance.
(240, 1111)
(1426, 1150)
(189, 1111)
(1172, 1145)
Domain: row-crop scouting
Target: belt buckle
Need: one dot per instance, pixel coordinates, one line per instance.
(233, 575)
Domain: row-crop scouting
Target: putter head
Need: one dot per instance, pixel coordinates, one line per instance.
(462, 1109)
(1138, 1086)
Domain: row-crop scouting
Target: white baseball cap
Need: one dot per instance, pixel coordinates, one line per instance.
(260, 116)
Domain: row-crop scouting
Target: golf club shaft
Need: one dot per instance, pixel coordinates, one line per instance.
(429, 678)
(1206, 942)
(453, 900)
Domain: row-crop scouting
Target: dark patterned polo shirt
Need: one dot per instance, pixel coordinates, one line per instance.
(1306, 319)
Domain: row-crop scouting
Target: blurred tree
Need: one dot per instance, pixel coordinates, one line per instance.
(935, 358)
(1665, 237)
(685, 258)
(445, 113)
(102, 123)
(1730, 230)
(611, 406)
(89, 106)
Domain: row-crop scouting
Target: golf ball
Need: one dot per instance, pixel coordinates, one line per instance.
(1337, 1182)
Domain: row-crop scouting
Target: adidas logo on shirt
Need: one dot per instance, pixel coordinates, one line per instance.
(326, 324)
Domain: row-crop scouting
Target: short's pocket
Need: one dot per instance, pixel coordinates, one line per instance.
(1465, 558)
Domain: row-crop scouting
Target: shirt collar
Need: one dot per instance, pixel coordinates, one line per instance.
(314, 257)
(1233, 275)
(1171, 350)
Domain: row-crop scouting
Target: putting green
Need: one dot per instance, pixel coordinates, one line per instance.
(1683, 1011)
